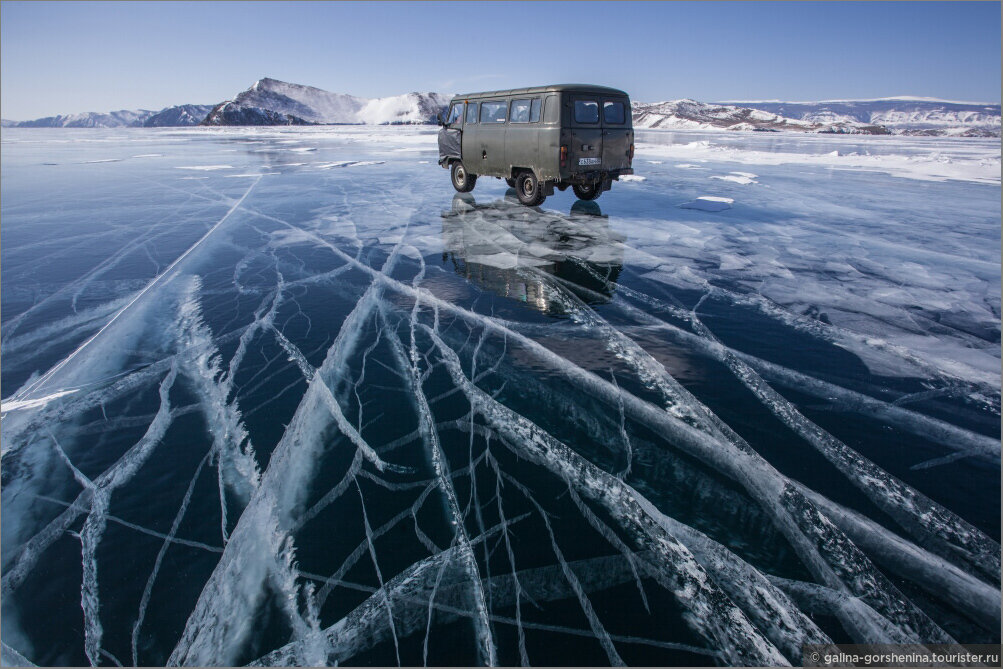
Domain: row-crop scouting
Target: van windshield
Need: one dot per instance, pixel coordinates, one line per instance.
(586, 111)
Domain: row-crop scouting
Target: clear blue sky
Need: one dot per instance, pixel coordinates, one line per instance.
(68, 57)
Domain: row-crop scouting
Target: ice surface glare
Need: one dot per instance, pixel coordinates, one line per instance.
(288, 401)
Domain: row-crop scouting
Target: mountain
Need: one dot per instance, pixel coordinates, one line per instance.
(115, 119)
(274, 102)
(233, 113)
(287, 103)
(702, 115)
(901, 115)
(180, 115)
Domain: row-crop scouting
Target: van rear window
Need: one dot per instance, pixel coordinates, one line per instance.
(493, 112)
(586, 111)
(613, 112)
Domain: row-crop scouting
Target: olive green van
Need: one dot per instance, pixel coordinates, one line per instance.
(538, 139)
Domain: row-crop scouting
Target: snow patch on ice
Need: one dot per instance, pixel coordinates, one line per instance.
(709, 203)
(977, 162)
(734, 178)
(203, 168)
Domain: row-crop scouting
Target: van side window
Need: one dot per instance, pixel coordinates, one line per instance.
(471, 112)
(520, 111)
(613, 112)
(552, 110)
(534, 112)
(493, 112)
(455, 111)
(586, 111)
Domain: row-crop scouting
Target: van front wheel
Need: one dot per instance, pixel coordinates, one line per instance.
(587, 191)
(463, 181)
(528, 190)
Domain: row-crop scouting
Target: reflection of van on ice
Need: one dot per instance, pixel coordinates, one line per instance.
(538, 138)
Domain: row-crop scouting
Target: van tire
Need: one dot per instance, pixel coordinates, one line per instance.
(463, 181)
(528, 190)
(510, 182)
(587, 191)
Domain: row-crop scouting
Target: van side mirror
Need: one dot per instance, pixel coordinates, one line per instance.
(439, 119)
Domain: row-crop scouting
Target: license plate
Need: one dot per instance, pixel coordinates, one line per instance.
(589, 161)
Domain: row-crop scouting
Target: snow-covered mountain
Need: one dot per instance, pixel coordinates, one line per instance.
(115, 119)
(708, 116)
(901, 115)
(273, 102)
(180, 115)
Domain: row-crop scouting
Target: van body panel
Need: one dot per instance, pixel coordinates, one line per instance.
(549, 152)
(489, 156)
(598, 140)
(522, 147)
(522, 139)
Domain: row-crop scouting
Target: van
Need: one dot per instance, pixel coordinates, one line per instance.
(539, 138)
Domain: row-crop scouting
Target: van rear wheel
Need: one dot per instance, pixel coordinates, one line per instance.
(587, 191)
(528, 190)
(463, 181)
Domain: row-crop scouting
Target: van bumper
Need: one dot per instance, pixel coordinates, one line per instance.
(593, 176)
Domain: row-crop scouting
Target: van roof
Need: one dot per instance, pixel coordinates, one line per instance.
(554, 88)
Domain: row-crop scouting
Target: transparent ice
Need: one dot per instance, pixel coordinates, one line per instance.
(280, 397)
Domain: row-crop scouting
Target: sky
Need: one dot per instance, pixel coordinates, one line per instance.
(69, 57)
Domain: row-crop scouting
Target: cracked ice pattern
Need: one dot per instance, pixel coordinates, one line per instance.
(280, 413)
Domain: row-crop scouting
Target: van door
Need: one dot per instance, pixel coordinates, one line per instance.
(618, 133)
(450, 133)
(522, 137)
(586, 134)
(489, 151)
(471, 140)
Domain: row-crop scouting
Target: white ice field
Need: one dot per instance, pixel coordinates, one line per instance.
(279, 396)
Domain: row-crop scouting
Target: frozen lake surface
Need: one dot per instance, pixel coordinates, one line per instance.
(280, 396)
